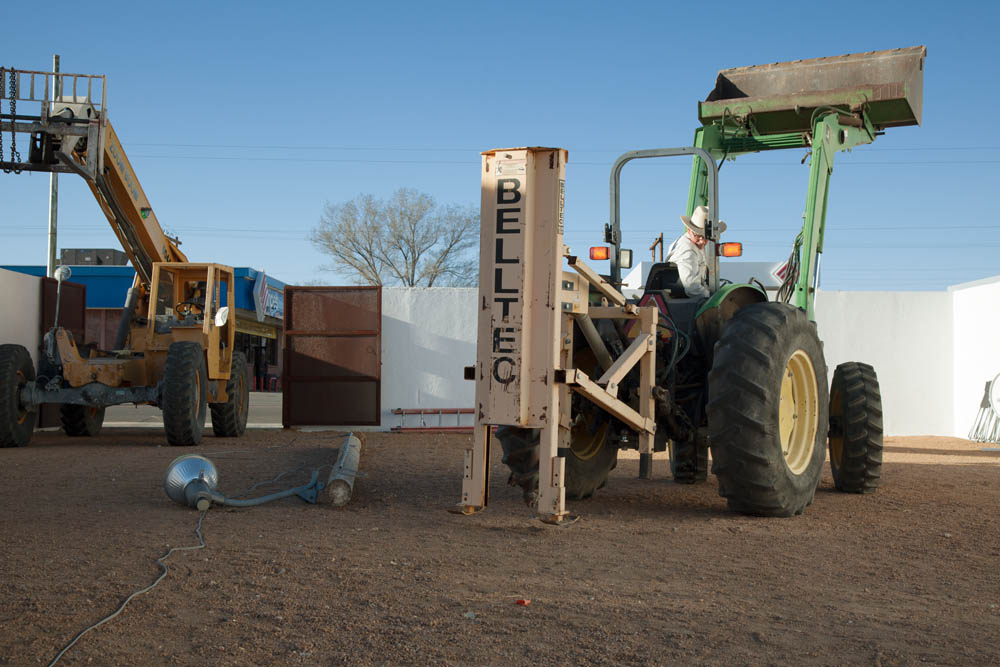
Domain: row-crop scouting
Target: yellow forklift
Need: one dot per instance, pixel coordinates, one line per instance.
(174, 345)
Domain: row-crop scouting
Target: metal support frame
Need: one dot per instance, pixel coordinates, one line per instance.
(95, 395)
(524, 372)
(53, 246)
(73, 89)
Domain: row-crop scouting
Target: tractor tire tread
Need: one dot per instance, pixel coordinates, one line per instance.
(860, 469)
(744, 389)
(521, 455)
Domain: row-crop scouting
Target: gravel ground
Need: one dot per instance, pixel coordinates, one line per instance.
(653, 573)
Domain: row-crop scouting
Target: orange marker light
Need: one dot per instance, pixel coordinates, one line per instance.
(730, 249)
(599, 252)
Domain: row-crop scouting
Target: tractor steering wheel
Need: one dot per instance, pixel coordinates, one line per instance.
(185, 308)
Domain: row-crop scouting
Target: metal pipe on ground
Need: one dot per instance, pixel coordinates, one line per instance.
(340, 484)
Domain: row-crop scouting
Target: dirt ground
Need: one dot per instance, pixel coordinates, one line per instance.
(653, 573)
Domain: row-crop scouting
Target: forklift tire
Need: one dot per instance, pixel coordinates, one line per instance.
(855, 428)
(689, 460)
(588, 462)
(768, 410)
(81, 420)
(185, 394)
(16, 423)
(229, 419)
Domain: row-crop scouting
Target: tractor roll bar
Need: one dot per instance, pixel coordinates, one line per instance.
(614, 237)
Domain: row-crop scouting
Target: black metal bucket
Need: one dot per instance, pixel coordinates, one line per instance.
(781, 97)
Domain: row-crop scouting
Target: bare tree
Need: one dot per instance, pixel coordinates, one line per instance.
(407, 240)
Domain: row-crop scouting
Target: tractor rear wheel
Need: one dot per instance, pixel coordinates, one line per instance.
(229, 419)
(855, 428)
(185, 393)
(81, 420)
(589, 459)
(16, 423)
(768, 410)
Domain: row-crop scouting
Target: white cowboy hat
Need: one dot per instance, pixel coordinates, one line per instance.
(696, 223)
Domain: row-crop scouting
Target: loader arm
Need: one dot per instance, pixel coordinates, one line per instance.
(128, 211)
(832, 131)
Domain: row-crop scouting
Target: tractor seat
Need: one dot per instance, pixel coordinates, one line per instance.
(663, 276)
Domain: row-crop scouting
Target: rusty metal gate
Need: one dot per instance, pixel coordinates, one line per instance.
(332, 371)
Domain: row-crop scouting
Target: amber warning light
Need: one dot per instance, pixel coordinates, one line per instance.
(599, 252)
(730, 249)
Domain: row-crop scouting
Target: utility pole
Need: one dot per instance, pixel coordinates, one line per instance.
(50, 268)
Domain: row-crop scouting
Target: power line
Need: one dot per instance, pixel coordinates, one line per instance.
(480, 150)
(468, 163)
(630, 230)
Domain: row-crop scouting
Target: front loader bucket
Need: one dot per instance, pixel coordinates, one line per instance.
(781, 97)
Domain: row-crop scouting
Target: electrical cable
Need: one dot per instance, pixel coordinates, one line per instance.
(159, 561)
(787, 287)
(675, 356)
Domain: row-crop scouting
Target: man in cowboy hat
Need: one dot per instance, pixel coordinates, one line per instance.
(688, 253)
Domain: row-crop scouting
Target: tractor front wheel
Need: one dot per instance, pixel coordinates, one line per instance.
(855, 428)
(185, 393)
(768, 410)
(16, 423)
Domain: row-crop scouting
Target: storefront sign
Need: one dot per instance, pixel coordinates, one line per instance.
(268, 298)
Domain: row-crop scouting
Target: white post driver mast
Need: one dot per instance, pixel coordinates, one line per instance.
(524, 370)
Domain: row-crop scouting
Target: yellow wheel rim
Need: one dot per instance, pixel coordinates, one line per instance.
(586, 445)
(798, 412)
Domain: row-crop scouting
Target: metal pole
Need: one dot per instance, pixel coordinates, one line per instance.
(50, 267)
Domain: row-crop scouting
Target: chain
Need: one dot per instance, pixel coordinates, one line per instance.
(2, 93)
(15, 157)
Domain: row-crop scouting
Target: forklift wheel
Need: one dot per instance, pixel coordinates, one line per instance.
(229, 419)
(185, 393)
(16, 423)
(81, 420)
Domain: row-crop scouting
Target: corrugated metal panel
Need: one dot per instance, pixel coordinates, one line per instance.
(332, 356)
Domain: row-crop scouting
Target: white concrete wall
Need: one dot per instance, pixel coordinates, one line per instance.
(976, 352)
(20, 303)
(933, 351)
(429, 335)
(428, 338)
(907, 338)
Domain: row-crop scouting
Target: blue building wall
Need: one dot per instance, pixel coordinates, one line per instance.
(107, 285)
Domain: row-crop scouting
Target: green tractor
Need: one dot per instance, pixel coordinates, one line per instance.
(738, 373)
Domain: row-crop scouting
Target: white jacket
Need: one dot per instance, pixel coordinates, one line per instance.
(691, 265)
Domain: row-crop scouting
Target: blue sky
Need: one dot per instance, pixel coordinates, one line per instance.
(243, 119)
